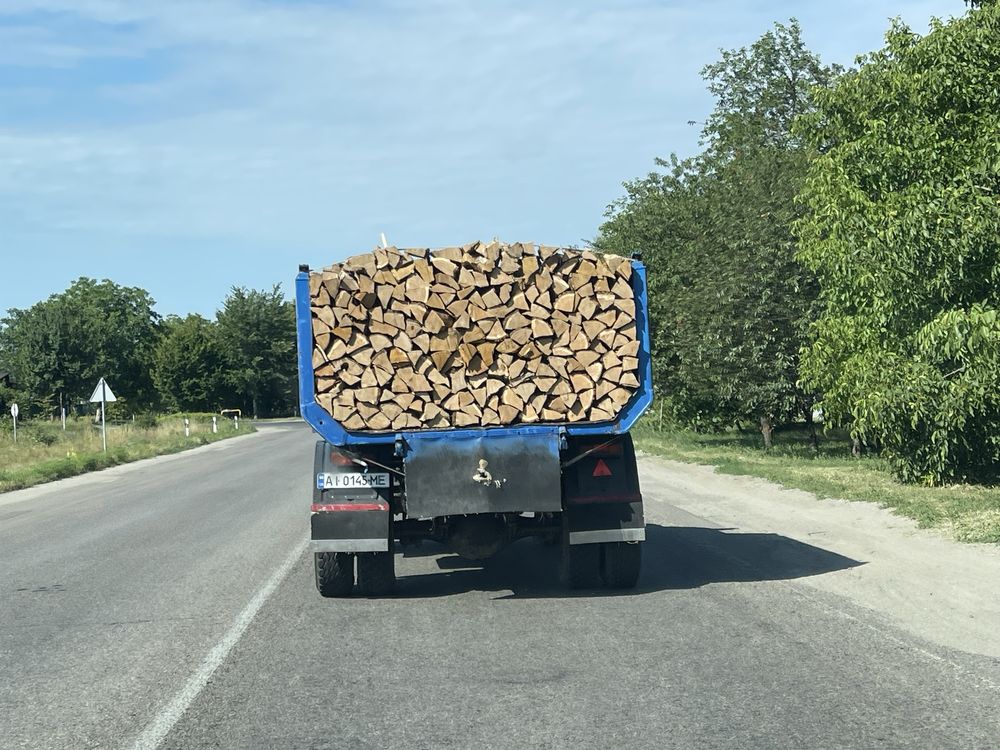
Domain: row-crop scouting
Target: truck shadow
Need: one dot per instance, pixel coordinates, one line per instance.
(674, 557)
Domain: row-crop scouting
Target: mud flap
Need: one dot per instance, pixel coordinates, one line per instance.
(347, 519)
(469, 472)
(601, 491)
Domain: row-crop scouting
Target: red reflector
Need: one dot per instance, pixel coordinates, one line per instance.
(339, 459)
(339, 507)
(601, 469)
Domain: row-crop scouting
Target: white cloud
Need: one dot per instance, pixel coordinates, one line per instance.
(316, 123)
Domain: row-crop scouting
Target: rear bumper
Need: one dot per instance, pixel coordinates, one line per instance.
(601, 522)
(598, 536)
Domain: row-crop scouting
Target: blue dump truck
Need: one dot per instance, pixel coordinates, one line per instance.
(432, 427)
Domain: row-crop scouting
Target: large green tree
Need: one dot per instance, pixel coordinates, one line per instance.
(903, 231)
(730, 303)
(189, 365)
(57, 349)
(257, 335)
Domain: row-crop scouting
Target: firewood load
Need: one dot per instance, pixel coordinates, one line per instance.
(482, 335)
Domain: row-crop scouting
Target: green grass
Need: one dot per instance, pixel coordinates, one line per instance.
(969, 513)
(44, 452)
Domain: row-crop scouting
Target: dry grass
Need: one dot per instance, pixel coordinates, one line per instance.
(44, 452)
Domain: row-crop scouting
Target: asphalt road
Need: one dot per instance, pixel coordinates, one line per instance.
(170, 604)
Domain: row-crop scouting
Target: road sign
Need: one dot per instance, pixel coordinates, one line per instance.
(102, 393)
(14, 411)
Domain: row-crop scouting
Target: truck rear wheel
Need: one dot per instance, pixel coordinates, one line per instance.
(334, 573)
(581, 565)
(620, 564)
(376, 573)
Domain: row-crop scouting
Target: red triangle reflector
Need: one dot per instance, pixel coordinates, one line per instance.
(601, 469)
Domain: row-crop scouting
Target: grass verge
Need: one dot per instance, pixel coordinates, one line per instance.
(968, 513)
(44, 452)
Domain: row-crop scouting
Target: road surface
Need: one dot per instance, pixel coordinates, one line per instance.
(171, 604)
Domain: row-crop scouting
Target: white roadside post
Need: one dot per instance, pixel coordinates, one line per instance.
(14, 411)
(62, 413)
(236, 420)
(215, 425)
(187, 427)
(102, 394)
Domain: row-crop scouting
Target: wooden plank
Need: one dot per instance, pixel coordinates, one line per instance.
(625, 321)
(419, 384)
(441, 359)
(540, 329)
(630, 349)
(521, 336)
(433, 322)
(629, 380)
(581, 382)
(379, 342)
(566, 302)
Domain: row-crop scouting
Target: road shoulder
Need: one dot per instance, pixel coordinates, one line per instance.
(938, 589)
(114, 473)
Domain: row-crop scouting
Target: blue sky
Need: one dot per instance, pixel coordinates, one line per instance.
(189, 146)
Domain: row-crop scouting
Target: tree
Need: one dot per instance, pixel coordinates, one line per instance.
(257, 337)
(57, 349)
(730, 304)
(189, 365)
(902, 227)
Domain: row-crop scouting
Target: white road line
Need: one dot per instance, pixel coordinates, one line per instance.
(170, 714)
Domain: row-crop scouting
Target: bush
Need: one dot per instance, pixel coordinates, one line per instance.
(146, 421)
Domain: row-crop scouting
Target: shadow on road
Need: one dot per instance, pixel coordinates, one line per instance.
(674, 557)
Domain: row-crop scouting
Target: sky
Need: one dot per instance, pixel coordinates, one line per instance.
(187, 147)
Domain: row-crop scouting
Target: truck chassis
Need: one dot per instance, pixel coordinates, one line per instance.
(362, 510)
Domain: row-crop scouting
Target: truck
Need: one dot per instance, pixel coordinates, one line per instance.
(474, 489)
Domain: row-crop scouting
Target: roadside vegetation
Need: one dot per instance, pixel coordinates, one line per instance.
(53, 353)
(835, 248)
(966, 512)
(44, 452)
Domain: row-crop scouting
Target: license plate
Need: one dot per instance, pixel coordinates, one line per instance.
(351, 481)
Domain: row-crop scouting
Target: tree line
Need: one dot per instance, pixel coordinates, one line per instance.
(835, 246)
(53, 353)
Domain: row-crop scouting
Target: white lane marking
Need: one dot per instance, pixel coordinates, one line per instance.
(169, 715)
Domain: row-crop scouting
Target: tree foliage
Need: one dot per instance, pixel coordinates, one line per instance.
(57, 349)
(903, 231)
(257, 338)
(189, 365)
(730, 303)
(60, 347)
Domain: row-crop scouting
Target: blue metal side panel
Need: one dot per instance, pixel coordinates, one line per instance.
(311, 412)
(328, 428)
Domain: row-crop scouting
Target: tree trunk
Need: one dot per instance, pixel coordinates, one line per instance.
(766, 429)
(255, 406)
(856, 447)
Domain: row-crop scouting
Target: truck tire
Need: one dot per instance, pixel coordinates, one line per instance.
(334, 573)
(376, 573)
(621, 563)
(581, 565)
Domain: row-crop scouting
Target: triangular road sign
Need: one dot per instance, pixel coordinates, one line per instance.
(107, 395)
